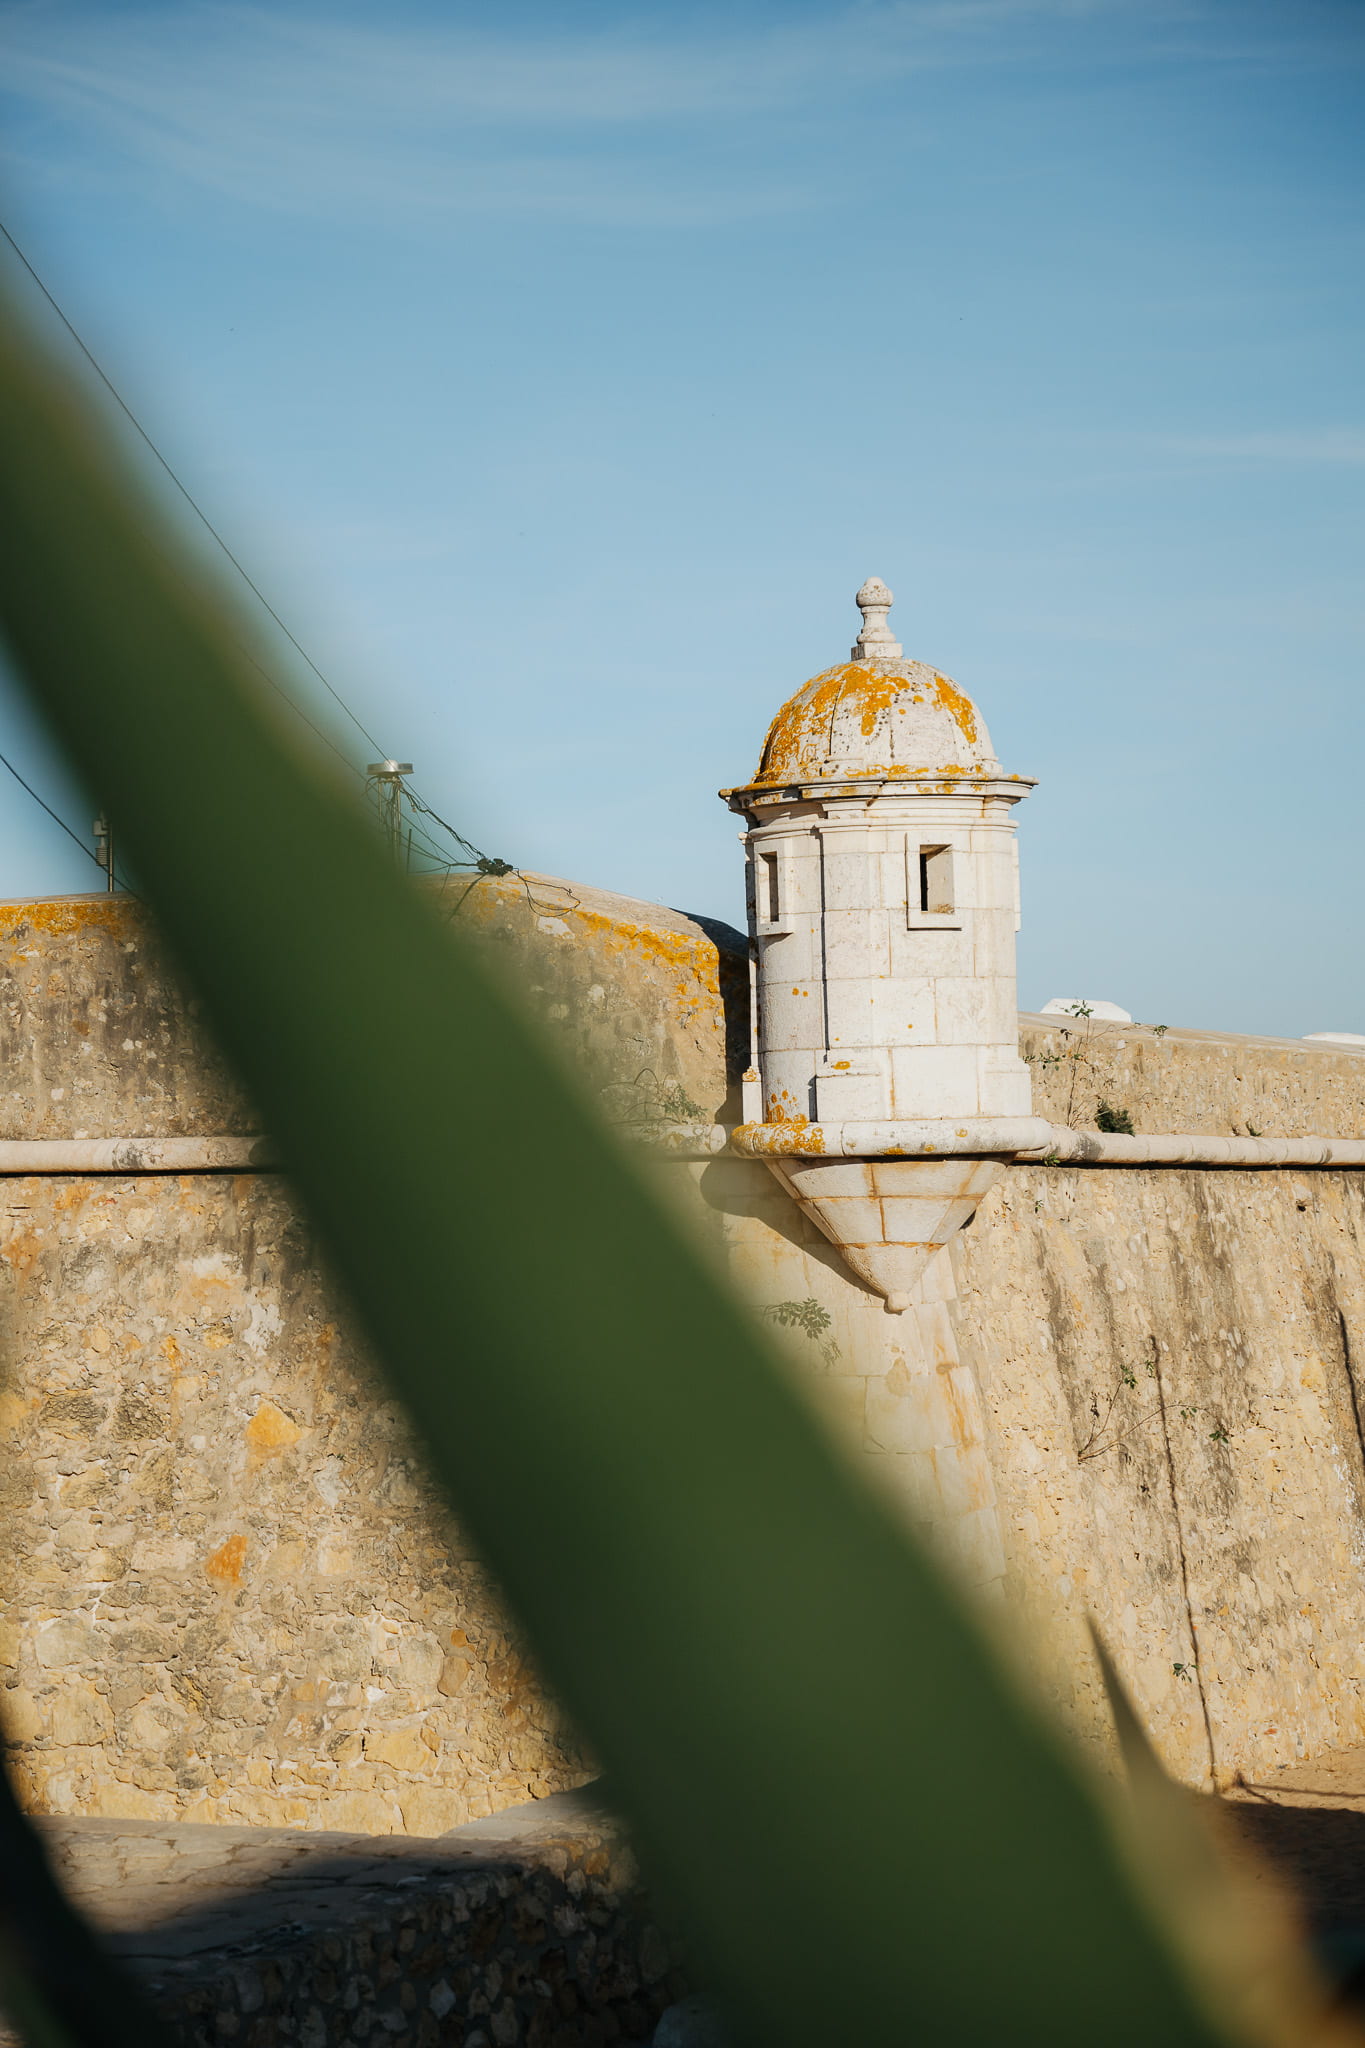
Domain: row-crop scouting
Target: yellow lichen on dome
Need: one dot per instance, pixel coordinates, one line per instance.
(958, 704)
(847, 720)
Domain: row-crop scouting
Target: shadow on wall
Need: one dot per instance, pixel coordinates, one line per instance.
(528, 1927)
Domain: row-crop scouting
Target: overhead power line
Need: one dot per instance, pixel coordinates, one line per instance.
(197, 510)
(87, 850)
(478, 860)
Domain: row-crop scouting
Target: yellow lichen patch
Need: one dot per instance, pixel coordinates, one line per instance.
(958, 706)
(686, 968)
(691, 956)
(61, 915)
(22, 1247)
(225, 1563)
(813, 727)
(271, 1430)
(696, 958)
(783, 1135)
(800, 736)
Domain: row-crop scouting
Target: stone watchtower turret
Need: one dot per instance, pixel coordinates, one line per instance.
(883, 906)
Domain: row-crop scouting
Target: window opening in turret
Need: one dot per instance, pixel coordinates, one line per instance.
(770, 900)
(936, 880)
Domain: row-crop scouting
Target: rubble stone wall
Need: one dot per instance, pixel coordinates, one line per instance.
(529, 1931)
(228, 1592)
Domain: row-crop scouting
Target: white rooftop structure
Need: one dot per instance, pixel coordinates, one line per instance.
(1084, 1006)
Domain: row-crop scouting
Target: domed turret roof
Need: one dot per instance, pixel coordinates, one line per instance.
(876, 715)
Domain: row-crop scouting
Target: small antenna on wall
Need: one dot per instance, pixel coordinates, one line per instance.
(385, 780)
(104, 851)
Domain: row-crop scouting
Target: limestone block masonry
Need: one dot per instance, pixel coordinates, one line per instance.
(883, 899)
(883, 902)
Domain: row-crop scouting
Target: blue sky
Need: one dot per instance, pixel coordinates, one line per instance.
(560, 372)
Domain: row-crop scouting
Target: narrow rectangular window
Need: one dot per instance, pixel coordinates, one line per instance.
(936, 880)
(769, 900)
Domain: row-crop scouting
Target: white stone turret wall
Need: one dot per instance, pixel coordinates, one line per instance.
(870, 1004)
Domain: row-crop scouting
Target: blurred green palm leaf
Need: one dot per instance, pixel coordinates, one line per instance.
(866, 1835)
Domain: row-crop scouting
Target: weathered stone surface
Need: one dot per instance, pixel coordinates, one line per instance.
(650, 1007)
(230, 1593)
(1171, 1366)
(97, 1038)
(1136, 1397)
(1206, 1081)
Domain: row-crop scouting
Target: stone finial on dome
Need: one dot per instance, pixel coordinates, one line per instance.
(874, 643)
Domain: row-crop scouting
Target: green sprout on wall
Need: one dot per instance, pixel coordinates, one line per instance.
(1089, 1063)
(1111, 1421)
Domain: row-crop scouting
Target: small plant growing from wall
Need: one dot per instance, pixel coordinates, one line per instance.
(1108, 1117)
(1100, 1438)
(1086, 1065)
(1110, 1418)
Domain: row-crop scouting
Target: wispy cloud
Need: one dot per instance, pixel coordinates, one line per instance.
(1332, 445)
(420, 115)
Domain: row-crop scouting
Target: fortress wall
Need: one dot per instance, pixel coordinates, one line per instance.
(229, 1595)
(1172, 1368)
(1131, 1395)
(227, 1592)
(1208, 1081)
(97, 1038)
(896, 1389)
